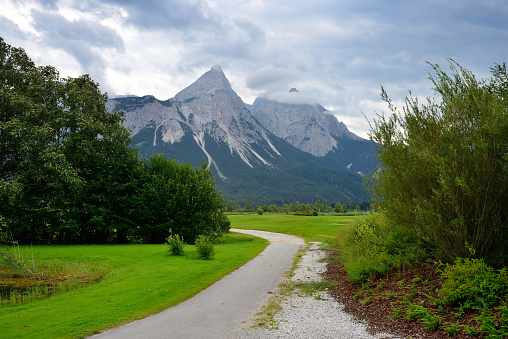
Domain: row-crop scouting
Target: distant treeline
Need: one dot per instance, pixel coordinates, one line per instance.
(297, 207)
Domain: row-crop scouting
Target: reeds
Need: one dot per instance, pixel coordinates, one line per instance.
(44, 278)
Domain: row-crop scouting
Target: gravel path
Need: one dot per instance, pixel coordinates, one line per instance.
(304, 316)
(227, 309)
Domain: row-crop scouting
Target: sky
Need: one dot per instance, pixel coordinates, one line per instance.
(336, 52)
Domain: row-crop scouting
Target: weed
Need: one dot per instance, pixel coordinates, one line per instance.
(452, 329)
(397, 312)
(420, 313)
(473, 283)
(311, 287)
(401, 283)
(367, 301)
(472, 331)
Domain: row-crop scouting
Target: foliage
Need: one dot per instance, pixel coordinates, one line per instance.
(178, 197)
(370, 245)
(69, 175)
(66, 165)
(175, 243)
(445, 164)
(205, 247)
(471, 283)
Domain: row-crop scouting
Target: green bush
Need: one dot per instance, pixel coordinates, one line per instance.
(204, 246)
(176, 244)
(472, 284)
(445, 164)
(369, 245)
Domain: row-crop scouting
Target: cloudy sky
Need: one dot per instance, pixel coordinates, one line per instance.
(337, 51)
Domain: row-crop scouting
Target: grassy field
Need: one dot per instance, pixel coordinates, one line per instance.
(322, 228)
(140, 280)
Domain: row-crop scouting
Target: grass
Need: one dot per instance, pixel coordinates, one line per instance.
(323, 228)
(139, 280)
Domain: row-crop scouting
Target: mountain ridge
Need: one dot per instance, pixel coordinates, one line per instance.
(208, 121)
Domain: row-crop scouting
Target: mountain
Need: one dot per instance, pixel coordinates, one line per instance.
(207, 121)
(310, 127)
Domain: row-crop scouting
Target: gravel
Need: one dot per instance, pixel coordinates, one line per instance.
(304, 315)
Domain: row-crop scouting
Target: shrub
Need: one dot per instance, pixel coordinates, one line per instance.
(260, 211)
(445, 164)
(473, 284)
(369, 245)
(204, 246)
(176, 244)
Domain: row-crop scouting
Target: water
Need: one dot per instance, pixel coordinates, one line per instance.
(21, 288)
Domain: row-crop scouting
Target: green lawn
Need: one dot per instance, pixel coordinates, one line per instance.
(322, 228)
(141, 280)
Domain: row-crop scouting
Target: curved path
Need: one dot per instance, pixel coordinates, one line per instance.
(222, 307)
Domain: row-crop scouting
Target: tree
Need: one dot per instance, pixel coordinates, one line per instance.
(317, 206)
(66, 168)
(326, 207)
(248, 207)
(445, 164)
(179, 198)
(340, 208)
(68, 174)
(231, 206)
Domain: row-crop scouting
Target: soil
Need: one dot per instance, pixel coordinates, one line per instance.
(383, 290)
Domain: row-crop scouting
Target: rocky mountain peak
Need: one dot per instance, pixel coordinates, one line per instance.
(309, 127)
(210, 114)
(212, 81)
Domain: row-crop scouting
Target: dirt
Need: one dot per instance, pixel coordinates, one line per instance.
(384, 290)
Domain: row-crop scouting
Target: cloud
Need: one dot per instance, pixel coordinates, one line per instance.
(339, 52)
(85, 40)
(168, 14)
(61, 32)
(267, 77)
(10, 29)
(292, 98)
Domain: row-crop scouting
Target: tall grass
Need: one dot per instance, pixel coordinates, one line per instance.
(47, 278)
(369, 245)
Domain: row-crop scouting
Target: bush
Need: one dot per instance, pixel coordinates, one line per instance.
(445, 164)
(260, 211)
(176, 244)
(204, 246)
(369, 245)
(472, 284)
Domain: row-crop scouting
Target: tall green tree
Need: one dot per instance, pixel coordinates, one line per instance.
(445, 164)
(179, 198)
(59, 148)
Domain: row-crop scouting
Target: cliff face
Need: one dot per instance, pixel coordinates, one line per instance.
(209, 108)
(307, 126)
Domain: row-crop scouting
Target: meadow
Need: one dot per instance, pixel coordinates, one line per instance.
(322, 228)
(138, 280)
